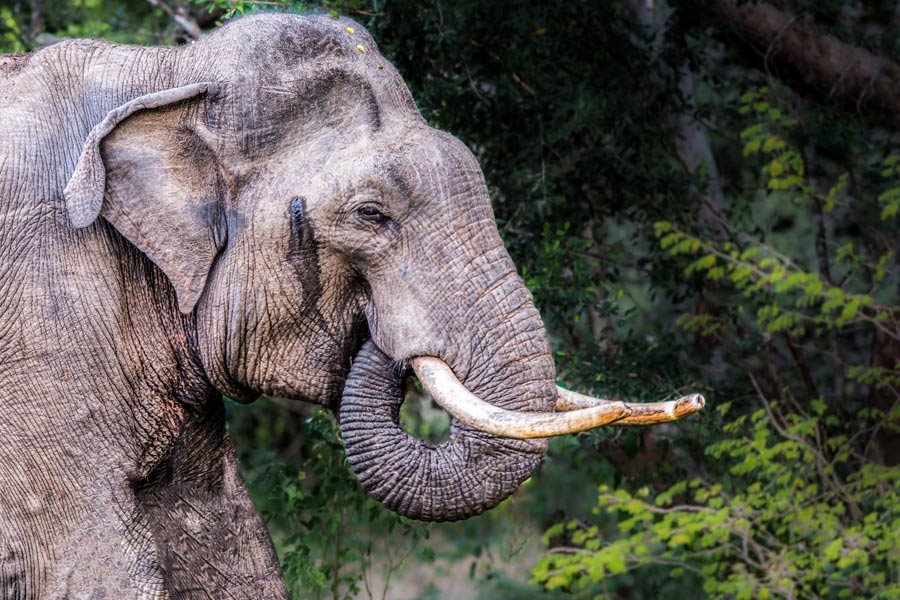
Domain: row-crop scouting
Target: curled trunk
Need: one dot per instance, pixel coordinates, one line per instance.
(471, 472)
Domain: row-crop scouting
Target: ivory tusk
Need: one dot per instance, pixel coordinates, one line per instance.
(447, 391)
(647, 413)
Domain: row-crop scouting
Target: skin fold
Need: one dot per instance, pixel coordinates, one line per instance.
(262, 212)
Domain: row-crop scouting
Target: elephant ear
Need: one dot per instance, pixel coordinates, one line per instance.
(148, 171)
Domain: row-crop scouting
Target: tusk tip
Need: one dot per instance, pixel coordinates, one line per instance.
(693, 402)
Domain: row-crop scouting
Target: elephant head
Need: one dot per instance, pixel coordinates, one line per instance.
(283, 180)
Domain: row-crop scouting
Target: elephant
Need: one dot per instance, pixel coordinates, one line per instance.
(264, 211)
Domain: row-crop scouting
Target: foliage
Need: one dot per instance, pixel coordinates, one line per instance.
(10, 32)
(795, 516)
(777, 297)
(331, 534)
(231, 8)
(24, 30)
(794, 501)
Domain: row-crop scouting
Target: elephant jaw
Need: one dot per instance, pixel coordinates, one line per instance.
(574, 412)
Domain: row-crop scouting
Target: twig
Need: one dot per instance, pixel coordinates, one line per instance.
(820, 461)
(182, 18)
(522, 84)
(472, 83)
(658, 510)
(800, 361)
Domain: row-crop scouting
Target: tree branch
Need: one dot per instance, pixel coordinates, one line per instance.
(791, 48)
(182, 18)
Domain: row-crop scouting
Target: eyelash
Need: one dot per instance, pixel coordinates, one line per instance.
(371, 213)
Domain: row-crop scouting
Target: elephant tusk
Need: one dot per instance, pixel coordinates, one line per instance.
(452, 395)
(648, 413)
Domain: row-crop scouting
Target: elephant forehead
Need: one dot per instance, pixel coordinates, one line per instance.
(297, 76)
(412, 171)
(418, 158)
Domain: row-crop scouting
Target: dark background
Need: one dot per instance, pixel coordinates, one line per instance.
(702, 196)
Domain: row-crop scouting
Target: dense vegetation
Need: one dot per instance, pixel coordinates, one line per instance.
(702, 197)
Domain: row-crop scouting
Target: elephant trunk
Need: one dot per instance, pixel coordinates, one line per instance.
(471, 472)
(503, 358)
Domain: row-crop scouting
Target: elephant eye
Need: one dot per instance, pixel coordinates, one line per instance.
(370, 212)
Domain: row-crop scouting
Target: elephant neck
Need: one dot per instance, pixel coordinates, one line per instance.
(93, 343)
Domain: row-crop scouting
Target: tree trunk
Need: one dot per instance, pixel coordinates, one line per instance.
(792, 49)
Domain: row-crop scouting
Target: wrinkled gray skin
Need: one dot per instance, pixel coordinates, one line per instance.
(275, 201)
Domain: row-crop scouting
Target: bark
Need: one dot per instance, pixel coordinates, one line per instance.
(886, 440)
(180, 15)
(792, 48)
(36, 27)
(690, 144)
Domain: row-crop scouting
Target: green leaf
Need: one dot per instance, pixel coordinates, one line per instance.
(833, 549)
